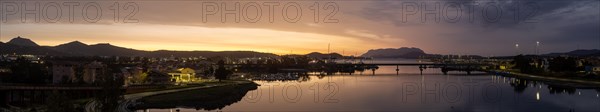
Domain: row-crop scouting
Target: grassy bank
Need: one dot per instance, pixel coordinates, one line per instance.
(151, 88)
(207, 98)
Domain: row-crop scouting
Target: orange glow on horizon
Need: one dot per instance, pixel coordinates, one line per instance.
(190, 38)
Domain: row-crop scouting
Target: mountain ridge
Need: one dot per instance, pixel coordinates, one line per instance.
(578, 52)
(21, 45)
(77, 48)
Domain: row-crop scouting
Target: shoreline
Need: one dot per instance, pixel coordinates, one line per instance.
(209, 99)
(131, 99)
(577, 83)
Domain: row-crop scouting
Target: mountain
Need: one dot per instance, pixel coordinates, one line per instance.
(6, 48)
(22, 42)
(580, 52)
(403, 52)
(77, 48)
(74, 48)
(323, 56)
(104, 49)
(111, 50)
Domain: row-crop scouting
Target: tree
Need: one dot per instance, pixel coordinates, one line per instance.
(563, 64)
(221, 73)
(209, 71)
(523, 63)
(112, 91)
(24, 71)
(141, 77)
(528, 64)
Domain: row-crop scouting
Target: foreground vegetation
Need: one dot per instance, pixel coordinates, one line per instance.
(207, 98)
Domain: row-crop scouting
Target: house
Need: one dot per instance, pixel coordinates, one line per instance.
(183, 75)
(70, 71)
(155, 77)
(133, 75)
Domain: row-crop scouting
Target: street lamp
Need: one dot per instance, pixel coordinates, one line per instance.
(537, 47)
(517, 47)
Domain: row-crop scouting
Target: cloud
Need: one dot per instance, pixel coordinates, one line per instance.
(363, 33)
(370, 24)
(488, 13)
(561, 25)
(313, 25)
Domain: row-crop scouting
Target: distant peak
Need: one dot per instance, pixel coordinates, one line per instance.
(76, 42)
(104, 45)
(315, 53)
(401, 48)
(22, 41)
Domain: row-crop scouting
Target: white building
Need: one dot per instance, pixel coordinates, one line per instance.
(63, 72)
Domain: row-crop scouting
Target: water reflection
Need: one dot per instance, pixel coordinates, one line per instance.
(301, 77)
(409, 91)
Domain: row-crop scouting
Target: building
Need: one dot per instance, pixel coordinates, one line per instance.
(134, 75)
(183, 75)
(63, 72)
(155, 77)
(593, 70)
(92, 70)
(76, 72)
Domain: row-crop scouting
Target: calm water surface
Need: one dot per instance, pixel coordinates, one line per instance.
(408, 90)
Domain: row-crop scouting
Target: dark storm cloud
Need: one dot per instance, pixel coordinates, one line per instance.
(580, 33)
(488, 13)
(560, 24)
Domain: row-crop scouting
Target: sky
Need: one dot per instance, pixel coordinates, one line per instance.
(350, 27)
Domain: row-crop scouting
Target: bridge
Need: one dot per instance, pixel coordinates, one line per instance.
(445, 67)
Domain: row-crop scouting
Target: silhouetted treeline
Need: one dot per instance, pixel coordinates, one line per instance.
(25, 71)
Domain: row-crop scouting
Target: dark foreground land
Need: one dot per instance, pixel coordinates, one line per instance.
(207, 98)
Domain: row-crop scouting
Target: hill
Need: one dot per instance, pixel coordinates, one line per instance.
(22, 42)
(580, 52)
(404, 52)
(323, 56)
(77, 48)
(81, 49)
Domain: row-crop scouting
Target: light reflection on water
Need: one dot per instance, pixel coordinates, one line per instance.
(410, 91)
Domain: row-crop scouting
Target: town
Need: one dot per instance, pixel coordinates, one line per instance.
(90, 82)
